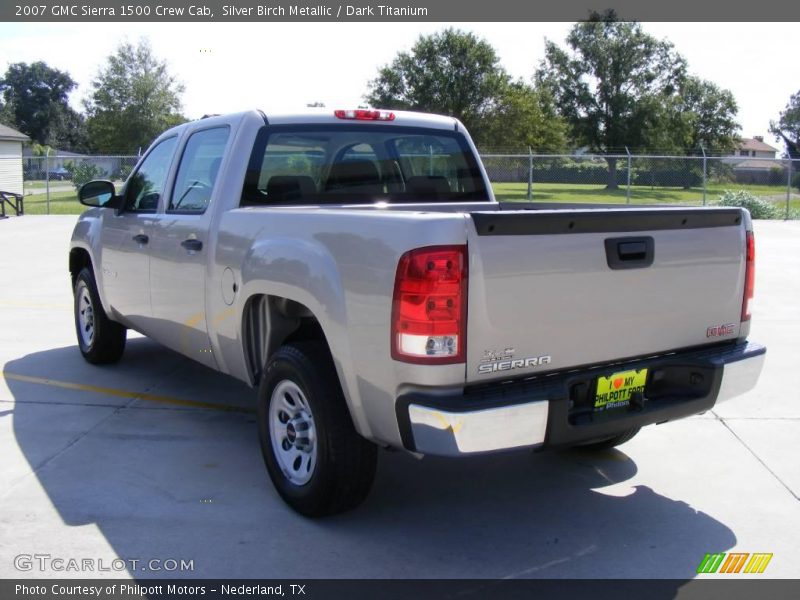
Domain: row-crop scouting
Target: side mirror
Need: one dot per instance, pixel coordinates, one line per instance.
(100, 194)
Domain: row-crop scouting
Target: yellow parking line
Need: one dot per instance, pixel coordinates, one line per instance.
(124, 393)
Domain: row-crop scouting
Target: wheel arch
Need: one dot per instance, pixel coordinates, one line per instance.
(79, 258)
(270, 321)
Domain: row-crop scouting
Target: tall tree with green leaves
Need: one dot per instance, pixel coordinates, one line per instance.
(708, 115)
(6, 114)
(37, 103)
(525, 117)
(609, 82)
(451, 72)
(699, 116)
(135, 98)
(787, 127)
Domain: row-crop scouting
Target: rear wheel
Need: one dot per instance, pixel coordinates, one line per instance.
(317, 461)
(612, 442)
(101, 340)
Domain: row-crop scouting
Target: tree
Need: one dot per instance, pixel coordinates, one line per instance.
(610, 83)
(450, 72)
(134, 100)
(36, 103)
(6, 114)
(83, 172)
(525, 117)
(708, 115)
(699, 115)
(787, 128)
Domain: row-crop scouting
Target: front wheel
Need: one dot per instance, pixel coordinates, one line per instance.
(317, 461)
(101, 340)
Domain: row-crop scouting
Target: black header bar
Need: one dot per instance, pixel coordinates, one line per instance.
(730, 588)
(448, 11)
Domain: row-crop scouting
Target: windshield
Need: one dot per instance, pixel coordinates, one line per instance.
(315, 164)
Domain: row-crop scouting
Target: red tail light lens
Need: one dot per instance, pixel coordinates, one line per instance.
(749, 274)
(362, 114)
(429, 308)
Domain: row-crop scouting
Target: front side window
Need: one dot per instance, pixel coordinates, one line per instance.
(146, 185)
(354, 164)
(198, 170)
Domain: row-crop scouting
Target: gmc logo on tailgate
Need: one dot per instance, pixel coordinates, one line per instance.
(720, 330)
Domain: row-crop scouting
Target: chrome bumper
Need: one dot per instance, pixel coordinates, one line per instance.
(740, 377)
(453, 433)
(538, 413)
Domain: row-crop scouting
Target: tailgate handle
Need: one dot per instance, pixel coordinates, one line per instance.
(630, 252)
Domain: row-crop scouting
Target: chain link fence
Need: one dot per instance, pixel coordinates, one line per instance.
(773, 183)
(49, 183)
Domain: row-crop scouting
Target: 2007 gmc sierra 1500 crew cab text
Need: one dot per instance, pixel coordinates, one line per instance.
(356, 267)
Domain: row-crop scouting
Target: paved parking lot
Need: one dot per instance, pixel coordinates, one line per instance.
(157, 458)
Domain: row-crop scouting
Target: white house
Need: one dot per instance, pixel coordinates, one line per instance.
(754, 161)
(755, 147)
(11, 159)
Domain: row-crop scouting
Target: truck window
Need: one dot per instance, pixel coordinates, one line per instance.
(353, 164)
(198, 170)
(146, 185)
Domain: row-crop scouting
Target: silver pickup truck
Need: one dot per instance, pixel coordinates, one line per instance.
(356, 267)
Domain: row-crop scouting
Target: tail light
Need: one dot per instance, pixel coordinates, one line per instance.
(749, 274)
(429, 308)
(363, 114)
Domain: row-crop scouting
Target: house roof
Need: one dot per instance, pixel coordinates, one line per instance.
(6, 133)
(757, 145)
(755, 165)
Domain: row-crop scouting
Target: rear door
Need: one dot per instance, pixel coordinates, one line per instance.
(180, 248)
(552, 290)
(126, 237)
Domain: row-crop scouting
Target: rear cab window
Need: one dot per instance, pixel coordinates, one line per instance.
(353, 164)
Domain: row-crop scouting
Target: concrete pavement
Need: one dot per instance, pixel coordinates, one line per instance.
(99, 463)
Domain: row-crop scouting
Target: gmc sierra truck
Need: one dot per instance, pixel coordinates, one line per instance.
(355, 266)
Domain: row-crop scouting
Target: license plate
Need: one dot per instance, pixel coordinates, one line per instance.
(616, 390)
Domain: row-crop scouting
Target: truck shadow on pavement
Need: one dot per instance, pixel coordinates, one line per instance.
(164, 481)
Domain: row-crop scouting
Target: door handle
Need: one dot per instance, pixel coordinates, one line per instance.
(141, 239)
(192, 245)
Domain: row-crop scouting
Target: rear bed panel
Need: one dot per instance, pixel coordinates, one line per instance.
(543, 298)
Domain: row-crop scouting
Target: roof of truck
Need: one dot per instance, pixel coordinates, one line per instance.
(323, 116)
(328, 116)
(399, 117)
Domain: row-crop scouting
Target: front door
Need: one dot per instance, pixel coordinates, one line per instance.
(126, 236)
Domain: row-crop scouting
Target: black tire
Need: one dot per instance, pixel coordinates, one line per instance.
(612, 442)
(107, 342)
(345, 462)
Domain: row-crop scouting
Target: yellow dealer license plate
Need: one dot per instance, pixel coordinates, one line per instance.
(616, 390)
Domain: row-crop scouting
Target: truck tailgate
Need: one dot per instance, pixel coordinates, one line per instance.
(550, 290)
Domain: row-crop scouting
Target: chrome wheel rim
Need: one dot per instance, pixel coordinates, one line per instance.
(294, 436)
(85, 310)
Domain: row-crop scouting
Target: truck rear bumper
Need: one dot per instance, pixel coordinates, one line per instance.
(557, 410)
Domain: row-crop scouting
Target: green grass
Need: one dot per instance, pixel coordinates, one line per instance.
(61, 203)
(598, 194)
